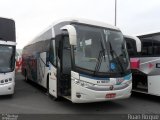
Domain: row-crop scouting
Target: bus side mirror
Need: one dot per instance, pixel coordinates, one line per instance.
(72, 34)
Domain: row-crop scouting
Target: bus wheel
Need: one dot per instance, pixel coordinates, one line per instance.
(54, 98)
(11, 95)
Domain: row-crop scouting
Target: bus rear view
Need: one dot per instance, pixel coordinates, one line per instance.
(7, 56)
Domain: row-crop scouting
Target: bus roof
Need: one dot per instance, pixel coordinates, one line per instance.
(84, 21)
(148, 34)
(76, 20)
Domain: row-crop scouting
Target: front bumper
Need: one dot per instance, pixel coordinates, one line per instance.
(7, 89)
(88, 95)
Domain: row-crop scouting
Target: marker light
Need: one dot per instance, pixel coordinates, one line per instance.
(135, 63)
(6, 81)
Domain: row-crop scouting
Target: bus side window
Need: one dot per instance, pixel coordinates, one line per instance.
(156, 44)
(52, 58)
(147, 48)
(131, 47)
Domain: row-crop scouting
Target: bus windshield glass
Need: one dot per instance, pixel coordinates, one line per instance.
(100, 51)
(7, 60)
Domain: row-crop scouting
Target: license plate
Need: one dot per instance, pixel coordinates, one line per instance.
(111, 95)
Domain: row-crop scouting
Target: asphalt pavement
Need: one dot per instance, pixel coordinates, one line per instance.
(30, 98)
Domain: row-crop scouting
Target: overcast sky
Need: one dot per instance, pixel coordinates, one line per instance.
(33, 16)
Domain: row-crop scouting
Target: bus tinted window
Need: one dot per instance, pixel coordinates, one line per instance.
(52, 56)
(131, 46)
(147, 46)
(156, 44)
(7, 58)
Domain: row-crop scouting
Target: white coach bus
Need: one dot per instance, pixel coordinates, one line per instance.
(146, 74)
(7, 56)
(80, 60)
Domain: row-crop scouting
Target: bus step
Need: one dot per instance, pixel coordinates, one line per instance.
(67, 97)
(140, 91)
(142, 87)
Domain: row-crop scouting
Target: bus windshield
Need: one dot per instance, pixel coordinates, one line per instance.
(7, 60)
(100, 51)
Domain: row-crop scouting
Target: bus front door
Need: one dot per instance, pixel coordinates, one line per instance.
(52, 84)
(65, 79)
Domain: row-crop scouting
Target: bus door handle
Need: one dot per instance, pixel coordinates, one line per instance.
(54, 74)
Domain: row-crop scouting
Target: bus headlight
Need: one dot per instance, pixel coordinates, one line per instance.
(5, 81)
(2, 81)
(10, 79)
(83, 83)
(128, 82)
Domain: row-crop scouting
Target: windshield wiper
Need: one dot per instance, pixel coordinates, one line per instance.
(113, 52)
(101, 54)
(98, 64)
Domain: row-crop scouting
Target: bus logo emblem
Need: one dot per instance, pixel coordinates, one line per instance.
(111, 87)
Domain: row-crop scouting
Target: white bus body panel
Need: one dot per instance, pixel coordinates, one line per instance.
(154, 85)
(8, 43)
(88, 95)
(148, 65)
(53, 80)
(7, 88)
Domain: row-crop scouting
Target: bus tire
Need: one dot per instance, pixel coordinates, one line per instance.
(10, 95)
(53, 98)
